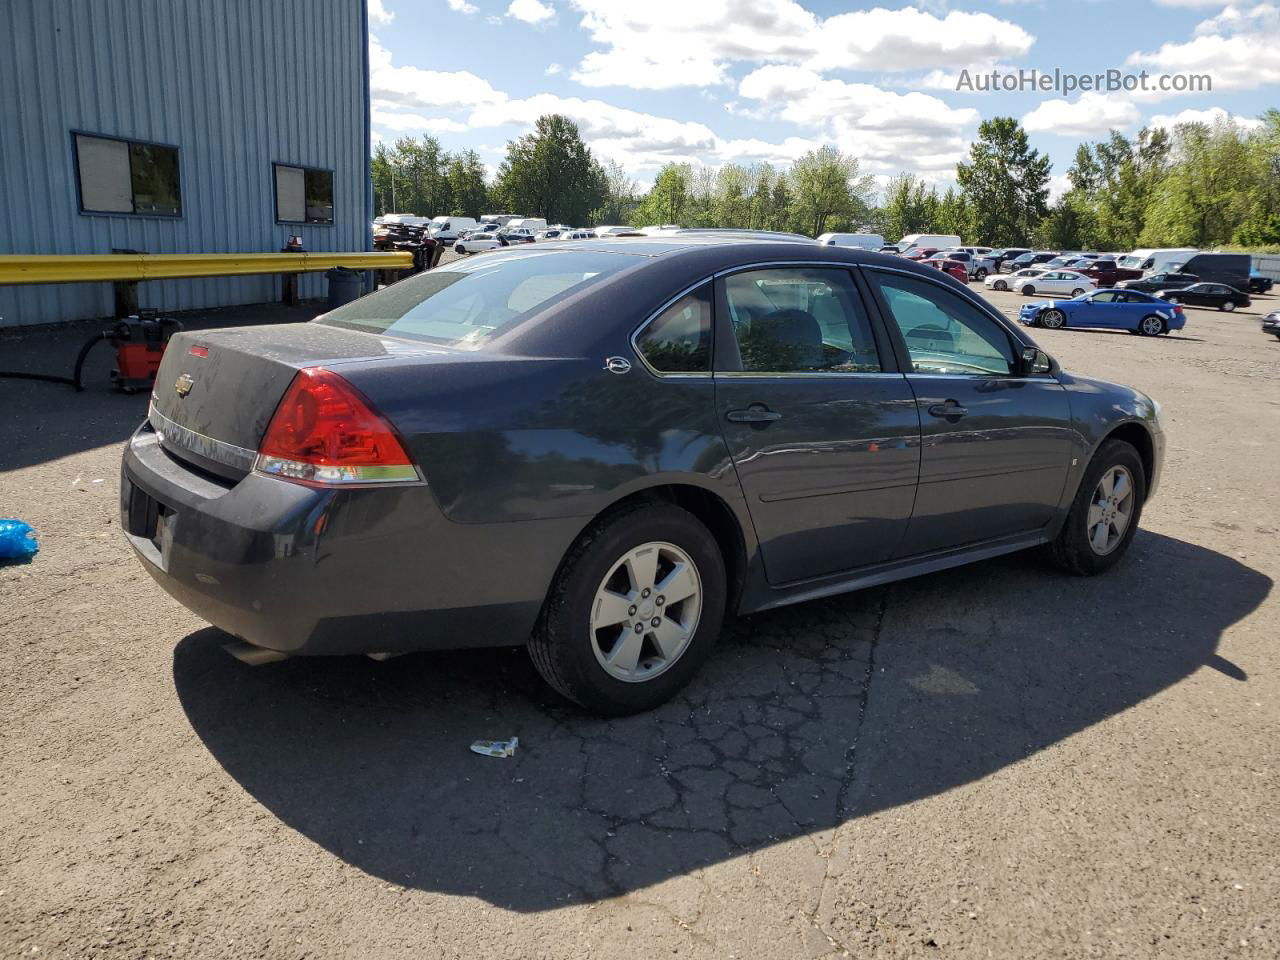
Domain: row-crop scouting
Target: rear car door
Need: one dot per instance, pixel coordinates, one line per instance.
(822, 428)
(996, 444)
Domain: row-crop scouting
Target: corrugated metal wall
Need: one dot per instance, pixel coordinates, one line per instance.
(235, 84)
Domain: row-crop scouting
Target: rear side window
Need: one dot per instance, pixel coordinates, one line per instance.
(945, 334)
(799, 320)
(468, 303)
(678, 340)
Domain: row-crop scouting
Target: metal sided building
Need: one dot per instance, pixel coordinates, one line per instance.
(180, 126)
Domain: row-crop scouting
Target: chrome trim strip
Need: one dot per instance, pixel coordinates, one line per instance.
(219, 451)
(807, 374)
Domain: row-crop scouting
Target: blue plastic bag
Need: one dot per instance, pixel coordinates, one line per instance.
(17, 540)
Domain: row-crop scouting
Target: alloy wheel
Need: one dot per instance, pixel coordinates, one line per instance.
(646, 611)
(1052, 319)
(1110, 510)
(1152, 326)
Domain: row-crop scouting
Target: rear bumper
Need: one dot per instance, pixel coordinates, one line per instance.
(312, 571)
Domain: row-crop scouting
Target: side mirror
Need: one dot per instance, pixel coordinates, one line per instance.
(1035, 361)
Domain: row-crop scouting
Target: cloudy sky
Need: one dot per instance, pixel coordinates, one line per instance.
(713, 81)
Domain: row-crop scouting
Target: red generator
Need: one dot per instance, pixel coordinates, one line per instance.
(140, 341)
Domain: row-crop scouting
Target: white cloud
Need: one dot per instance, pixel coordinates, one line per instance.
(670, 43)
(1090, 113)
(379, 15)
(1210, 116)
(461, 6)
(1236, 48)
(531, 11)
(552, 69)
(1059, 184)
(414, 122)
(413, 87)
(889, 131)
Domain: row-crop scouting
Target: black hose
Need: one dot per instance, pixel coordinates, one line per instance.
(75, 379)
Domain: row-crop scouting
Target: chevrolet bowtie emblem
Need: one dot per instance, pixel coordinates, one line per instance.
(184, 384)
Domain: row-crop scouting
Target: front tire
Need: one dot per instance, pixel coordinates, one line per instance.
(1000, 285)
(1028, 290)
(1077, 291)
(981, 273)
(635, 609)
(1053, 319)
(1105, 513)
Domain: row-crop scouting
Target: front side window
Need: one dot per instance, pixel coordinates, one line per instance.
(127, 176)
(303, 194)
(799, 320)
(470, 302)
(1106, 296)
(678, 340)
(944, 333)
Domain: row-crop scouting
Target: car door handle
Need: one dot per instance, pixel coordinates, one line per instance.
(948, 411)
(756, 413)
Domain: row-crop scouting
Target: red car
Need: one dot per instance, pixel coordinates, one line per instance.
(1106, 273)
(953, 267)
(921, 253)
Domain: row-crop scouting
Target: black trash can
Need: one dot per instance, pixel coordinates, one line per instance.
(344, 286)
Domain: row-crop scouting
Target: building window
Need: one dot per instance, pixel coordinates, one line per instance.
(303, 194)
(127, 176)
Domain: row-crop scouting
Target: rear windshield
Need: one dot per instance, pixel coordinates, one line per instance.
(468, 303)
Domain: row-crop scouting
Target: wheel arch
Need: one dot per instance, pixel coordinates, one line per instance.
(1134, 433)
(709, 507)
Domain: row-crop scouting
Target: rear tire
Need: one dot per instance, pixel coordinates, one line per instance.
(583, 660)
(1229, 306)
(1076, 549)
(981, 273)
(1151, 325)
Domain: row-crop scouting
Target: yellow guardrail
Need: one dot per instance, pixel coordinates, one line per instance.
(107, 268)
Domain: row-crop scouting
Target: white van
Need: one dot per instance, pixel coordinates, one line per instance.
(1156, 260)
(448, 228)
(942, 241)
(860, 241)
(532, 224)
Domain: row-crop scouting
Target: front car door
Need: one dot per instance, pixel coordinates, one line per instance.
(821, 425)
(996, 445)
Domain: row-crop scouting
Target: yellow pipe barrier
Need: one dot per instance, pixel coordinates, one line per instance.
(107, 268)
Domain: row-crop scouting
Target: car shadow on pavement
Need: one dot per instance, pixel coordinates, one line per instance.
(805, 718)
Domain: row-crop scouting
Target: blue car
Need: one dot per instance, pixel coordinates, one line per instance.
(1109, 309)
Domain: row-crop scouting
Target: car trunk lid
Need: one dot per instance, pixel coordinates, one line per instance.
(216, 390)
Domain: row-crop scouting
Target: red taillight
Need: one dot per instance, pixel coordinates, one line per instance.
(325, 432)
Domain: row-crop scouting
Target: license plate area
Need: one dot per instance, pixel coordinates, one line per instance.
(149, 524)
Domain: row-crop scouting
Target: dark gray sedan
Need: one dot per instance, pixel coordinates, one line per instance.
(601, 449)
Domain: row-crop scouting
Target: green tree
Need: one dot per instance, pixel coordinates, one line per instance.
(910, 206)
(468, 193)
(667, 199)
(1005, 182)
(1204, 197)
(830, 191)
(551, 173)
(619, 202)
